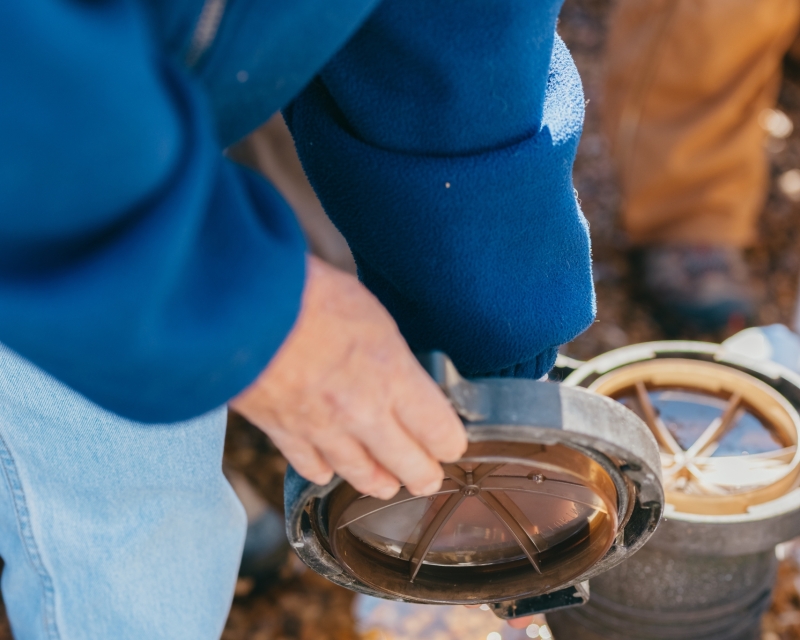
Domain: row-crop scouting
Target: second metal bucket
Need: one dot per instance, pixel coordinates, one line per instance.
(727, 428)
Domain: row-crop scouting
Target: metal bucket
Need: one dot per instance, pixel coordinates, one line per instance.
(558, 485)
(728, 431)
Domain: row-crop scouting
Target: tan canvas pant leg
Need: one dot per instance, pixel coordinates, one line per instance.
(686, 81)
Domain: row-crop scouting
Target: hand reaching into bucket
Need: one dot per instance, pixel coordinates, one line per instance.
(345, 394)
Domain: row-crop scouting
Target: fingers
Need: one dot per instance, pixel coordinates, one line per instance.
(352, 462)
(520, 623)
(303, 457)
(401, 455)
(429, 418)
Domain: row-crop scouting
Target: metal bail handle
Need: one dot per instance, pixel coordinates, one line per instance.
(469, 401)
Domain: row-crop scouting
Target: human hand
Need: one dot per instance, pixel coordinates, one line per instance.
(345, 394)
(521, 623)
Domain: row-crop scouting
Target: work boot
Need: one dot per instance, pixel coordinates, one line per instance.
(700, 288)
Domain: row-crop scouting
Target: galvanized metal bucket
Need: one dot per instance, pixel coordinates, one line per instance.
(731, 490)
(558, 485)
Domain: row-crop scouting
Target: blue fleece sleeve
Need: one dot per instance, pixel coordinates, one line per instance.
(136, 264)
(441, 141)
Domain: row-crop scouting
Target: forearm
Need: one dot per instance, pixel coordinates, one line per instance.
(441, 142)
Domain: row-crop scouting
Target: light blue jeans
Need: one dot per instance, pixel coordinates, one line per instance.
(111, 529)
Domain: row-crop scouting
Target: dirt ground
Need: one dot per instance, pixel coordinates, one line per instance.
(304, 606)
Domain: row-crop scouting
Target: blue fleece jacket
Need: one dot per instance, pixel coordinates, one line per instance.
(145, 270)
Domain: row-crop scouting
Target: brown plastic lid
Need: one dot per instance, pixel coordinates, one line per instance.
(557, 485)
(511, 519)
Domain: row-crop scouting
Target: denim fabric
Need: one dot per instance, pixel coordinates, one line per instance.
(111, 529)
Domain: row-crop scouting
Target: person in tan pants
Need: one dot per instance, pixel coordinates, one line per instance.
(686, 83)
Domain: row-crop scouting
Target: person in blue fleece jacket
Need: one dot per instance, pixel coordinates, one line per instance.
(146, 280)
